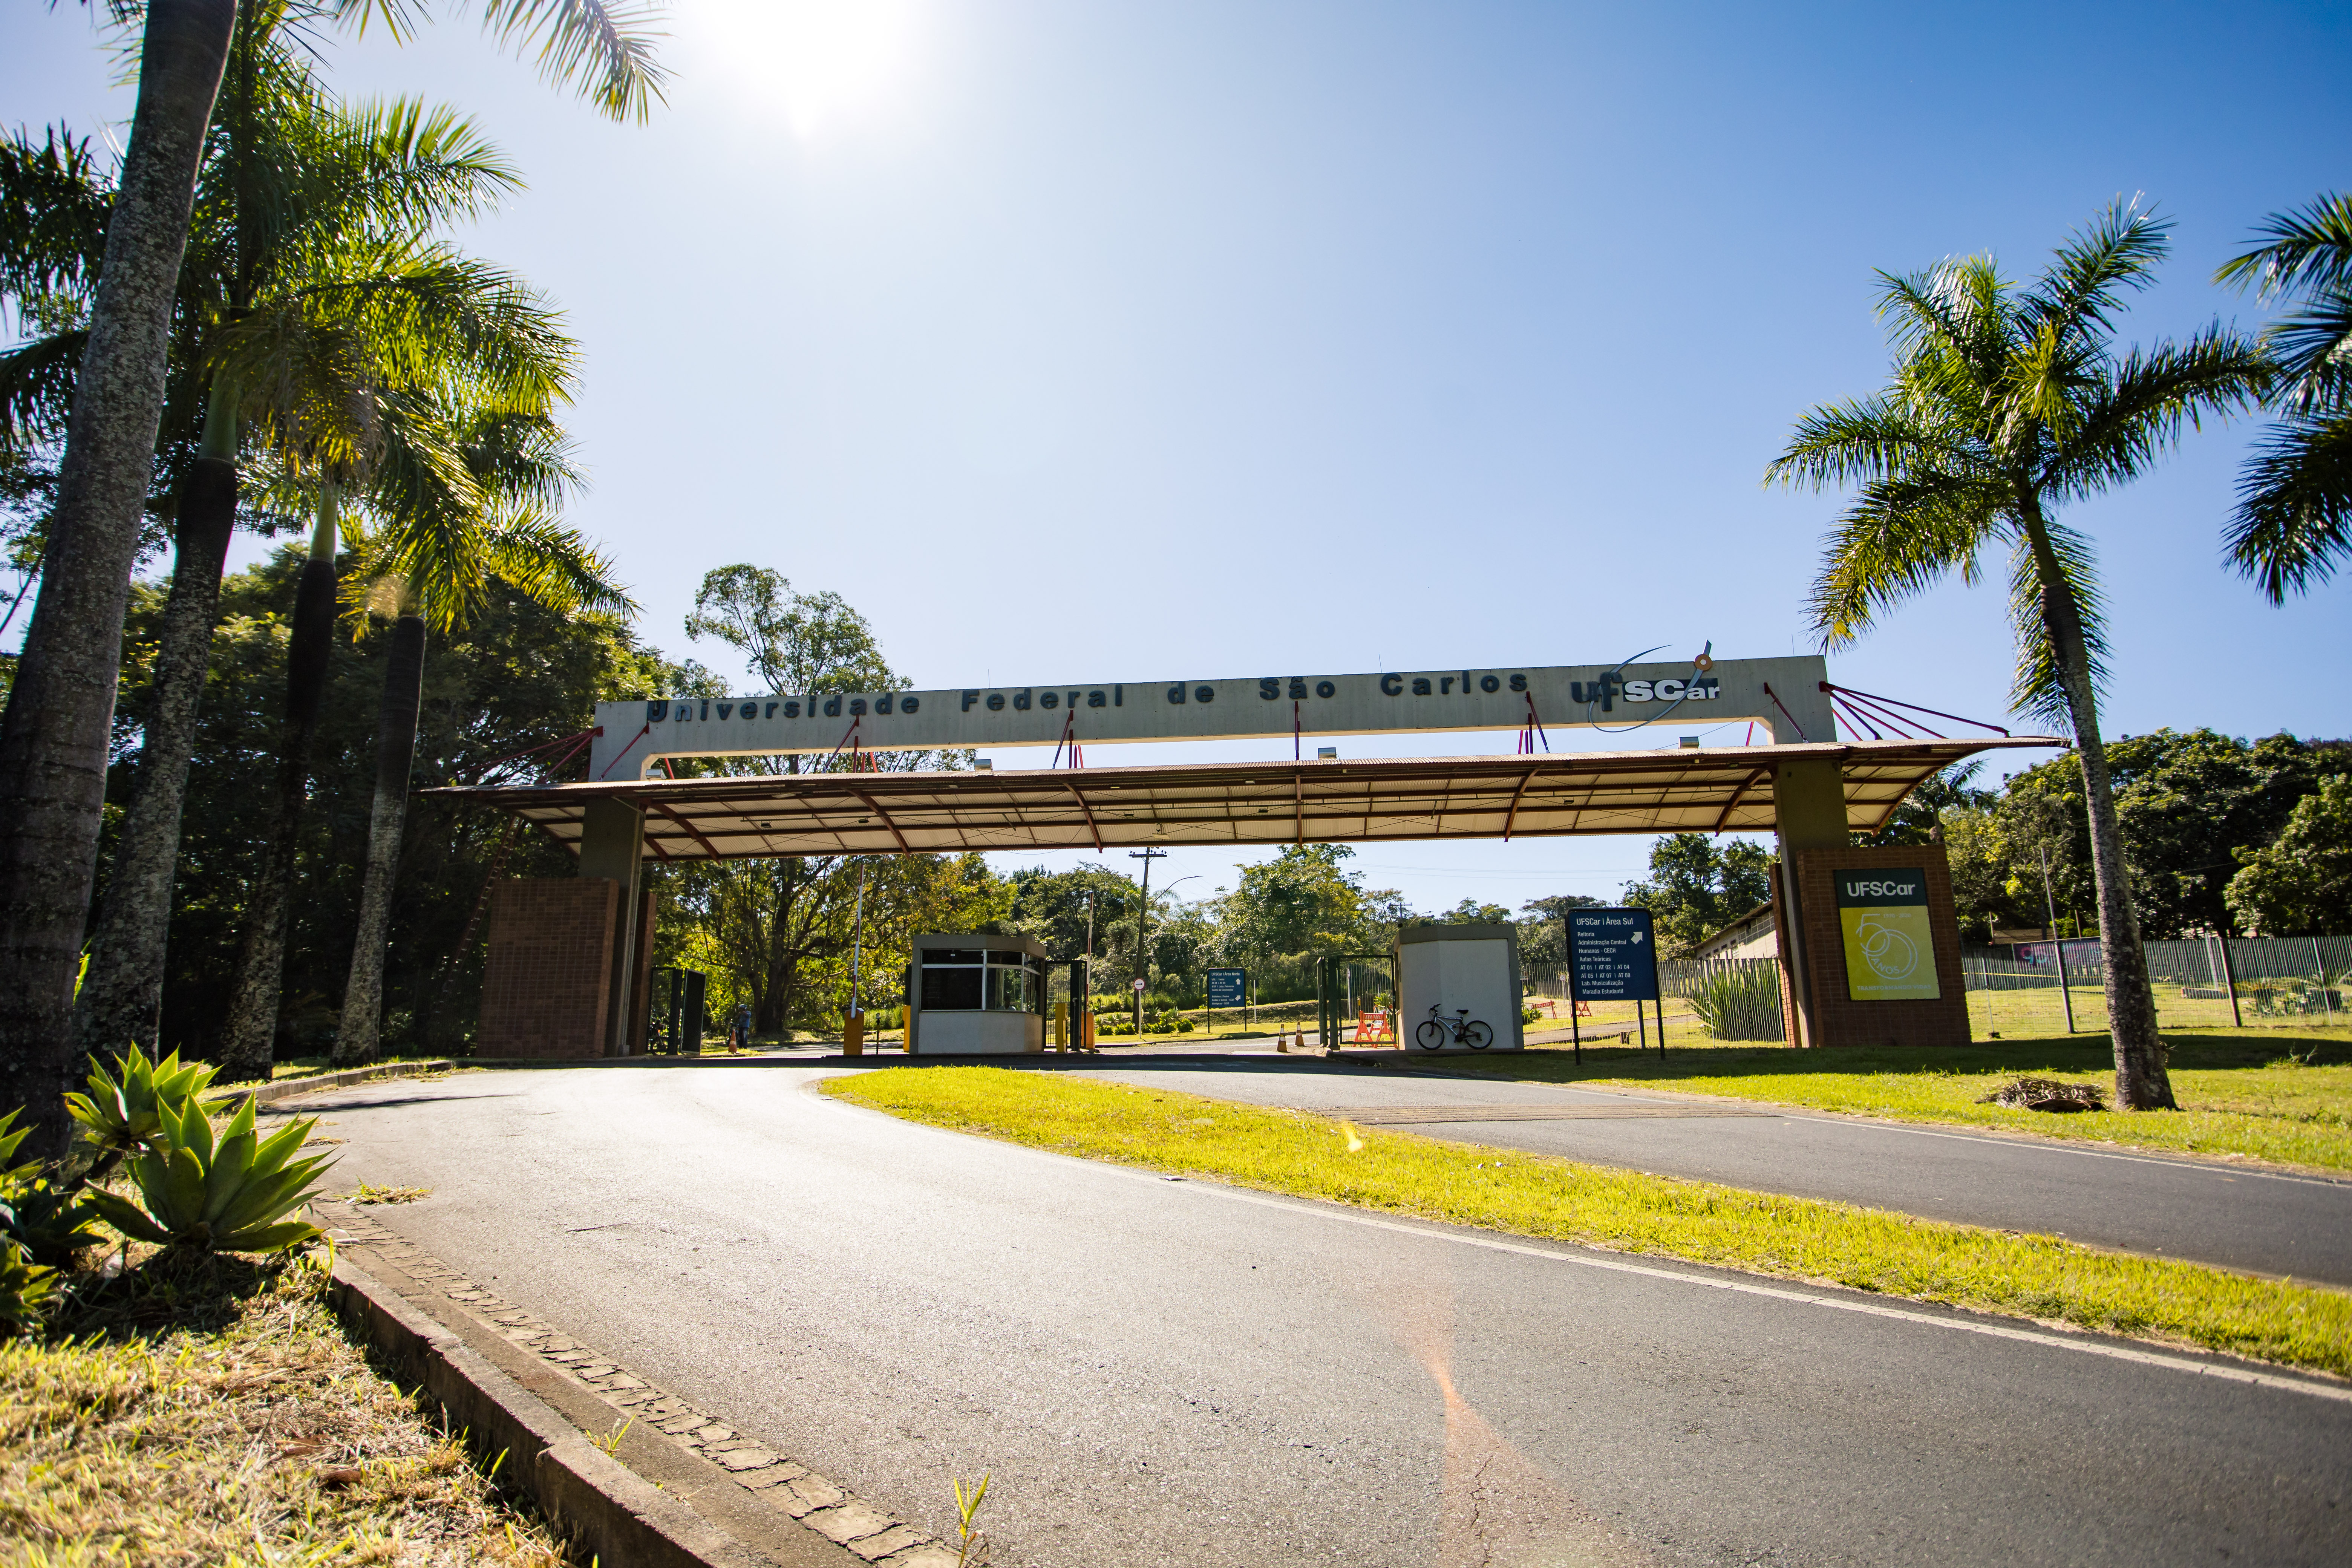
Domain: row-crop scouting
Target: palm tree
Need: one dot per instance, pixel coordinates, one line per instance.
(54, 735)
(363, 373)
(284, 166)
(2004, 407)
(2294, 521)
(432, 568)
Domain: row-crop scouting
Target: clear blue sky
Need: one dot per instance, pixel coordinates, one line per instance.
(1137, 341)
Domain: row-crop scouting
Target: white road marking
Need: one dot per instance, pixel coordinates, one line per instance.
(1334, 1212)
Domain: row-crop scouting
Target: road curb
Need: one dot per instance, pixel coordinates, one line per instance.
(669, 1485)
(286, 1088)
(589, 1497)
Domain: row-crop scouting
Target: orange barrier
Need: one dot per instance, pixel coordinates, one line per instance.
(1373, 1029)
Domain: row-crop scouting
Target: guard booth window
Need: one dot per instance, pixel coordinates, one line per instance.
(969, 980)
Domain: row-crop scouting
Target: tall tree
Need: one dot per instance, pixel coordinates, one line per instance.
(53, 736)
(378, 382)
(782, 922)
(2005, 405)
(298, 196)
(431, 570)
(2294, 522)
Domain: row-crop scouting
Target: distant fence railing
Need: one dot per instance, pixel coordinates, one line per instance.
(2280, 960)
(2280, 981)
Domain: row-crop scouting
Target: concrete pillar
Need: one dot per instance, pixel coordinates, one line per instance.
(612, 846)
(1808, 812)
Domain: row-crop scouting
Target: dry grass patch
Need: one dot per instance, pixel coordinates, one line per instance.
(1291, 1151)
(213, 1412)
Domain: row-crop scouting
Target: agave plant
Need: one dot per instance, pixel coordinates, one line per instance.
(123, 1117)
(51, 1219)
(229, 1191)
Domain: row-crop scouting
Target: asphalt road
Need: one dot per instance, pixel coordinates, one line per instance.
(2239, 1218)
(1169, 1373)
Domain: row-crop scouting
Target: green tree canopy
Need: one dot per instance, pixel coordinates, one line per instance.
(1697, 885)
(2301, 883)
(1303, 901)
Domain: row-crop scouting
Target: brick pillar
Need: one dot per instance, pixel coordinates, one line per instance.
(546, 979)
(1809, 813)
(1839, 1016)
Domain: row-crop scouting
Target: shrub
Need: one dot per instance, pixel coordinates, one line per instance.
(1738, 1002)
(26, 1288)
(229, 1193)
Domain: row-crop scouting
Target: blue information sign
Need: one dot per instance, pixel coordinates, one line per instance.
(1226, 985)
(1612, 955)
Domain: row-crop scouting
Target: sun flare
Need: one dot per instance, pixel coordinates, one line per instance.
(821, 64)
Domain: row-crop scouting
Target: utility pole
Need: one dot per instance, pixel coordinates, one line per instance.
(2057, 943)
(1142, 926)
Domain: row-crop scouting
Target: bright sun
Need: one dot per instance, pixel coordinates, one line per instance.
(820, 63)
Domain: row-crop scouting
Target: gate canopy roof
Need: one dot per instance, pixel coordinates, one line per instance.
(1374, 799)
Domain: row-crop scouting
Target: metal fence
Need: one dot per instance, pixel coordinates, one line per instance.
(2260, 982)
(2280, 981)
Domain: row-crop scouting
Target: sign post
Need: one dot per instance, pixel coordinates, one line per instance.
(1227, 988)
(1612, 957)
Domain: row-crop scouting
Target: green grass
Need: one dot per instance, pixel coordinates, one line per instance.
(2248, 1094)
(1539, 1196)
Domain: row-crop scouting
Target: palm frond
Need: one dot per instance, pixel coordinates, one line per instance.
(1956, 311)
(2308, 247)
(2153, 397)
(2292, 525)
(555, 566)
(1900, 538)
(54, 205)
(2080, 293)
(604, 48)
(405, 165)
(1863, 439)
(2313, 345)
(36, 384)
(2036, 690)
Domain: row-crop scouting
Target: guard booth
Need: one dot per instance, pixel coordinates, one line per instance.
(976, 995)
(1456, 968)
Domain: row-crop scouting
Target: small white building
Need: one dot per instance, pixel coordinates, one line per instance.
(1750, 936)
(1456, 967)
(976, 995)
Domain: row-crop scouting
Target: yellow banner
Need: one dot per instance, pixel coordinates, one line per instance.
(1890, 954)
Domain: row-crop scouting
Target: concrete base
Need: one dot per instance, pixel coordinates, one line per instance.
(980, 1034)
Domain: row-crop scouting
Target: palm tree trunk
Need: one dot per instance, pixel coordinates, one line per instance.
(54, 739)
(395, 753)
(2141, 1081)
(121, 996)
(261, 962)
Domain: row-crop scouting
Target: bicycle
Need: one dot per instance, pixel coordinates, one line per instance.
(1462, 1028)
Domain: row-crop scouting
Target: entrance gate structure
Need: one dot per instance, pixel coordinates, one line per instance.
(1812, 788)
